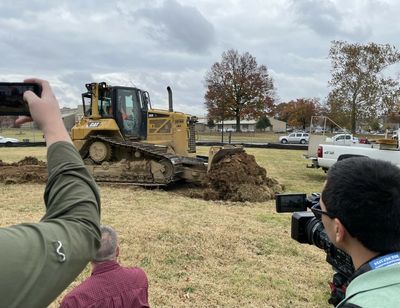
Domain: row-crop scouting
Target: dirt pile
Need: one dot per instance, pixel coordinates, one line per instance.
(238, 177)
(29, 169)
(30, 160)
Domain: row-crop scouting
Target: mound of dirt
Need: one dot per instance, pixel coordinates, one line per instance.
(30, 160)
(236, 177)
(29, 169)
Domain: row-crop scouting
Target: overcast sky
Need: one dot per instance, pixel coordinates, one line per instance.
(155, 43)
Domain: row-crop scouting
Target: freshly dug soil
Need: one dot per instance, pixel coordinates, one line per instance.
(30, 160)
(236, 177)
(29, 169)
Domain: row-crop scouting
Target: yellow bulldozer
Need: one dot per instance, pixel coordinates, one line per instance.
(121, 138)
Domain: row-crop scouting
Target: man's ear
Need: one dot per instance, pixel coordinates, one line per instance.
(341, 233)
(117, 252)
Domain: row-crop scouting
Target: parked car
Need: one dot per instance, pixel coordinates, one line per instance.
(363, 140)
(320, 130)
(8, 140)
(343, 139)
(301, 138)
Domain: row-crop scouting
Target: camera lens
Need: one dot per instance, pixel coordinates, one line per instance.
(316, 233)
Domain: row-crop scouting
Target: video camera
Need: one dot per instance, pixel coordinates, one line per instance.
(306, 228)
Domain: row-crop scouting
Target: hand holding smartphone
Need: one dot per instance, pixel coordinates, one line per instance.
(12, 97)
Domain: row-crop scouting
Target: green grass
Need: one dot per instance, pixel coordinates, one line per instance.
(200, 253)
(259, 137)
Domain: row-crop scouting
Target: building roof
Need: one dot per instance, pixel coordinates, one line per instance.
(234, 122)
(202, 120)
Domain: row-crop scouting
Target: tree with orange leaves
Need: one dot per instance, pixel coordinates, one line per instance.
(298, 113)
(238, 88)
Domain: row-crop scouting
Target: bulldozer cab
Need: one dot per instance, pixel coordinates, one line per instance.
(129, 111)
(126, 105)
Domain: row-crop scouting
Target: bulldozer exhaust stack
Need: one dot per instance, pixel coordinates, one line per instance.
(170, 104)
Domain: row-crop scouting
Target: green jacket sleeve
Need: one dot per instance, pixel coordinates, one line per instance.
(39, 260)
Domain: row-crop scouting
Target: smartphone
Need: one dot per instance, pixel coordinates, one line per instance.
(12, 97)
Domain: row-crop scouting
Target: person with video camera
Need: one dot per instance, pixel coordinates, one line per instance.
(360, 211)
(39, 260)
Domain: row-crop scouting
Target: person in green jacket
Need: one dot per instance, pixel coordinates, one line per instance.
(39, 260)
(360, 210)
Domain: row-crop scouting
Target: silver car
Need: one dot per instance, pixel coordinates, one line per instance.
(301, 138)
(8, 140)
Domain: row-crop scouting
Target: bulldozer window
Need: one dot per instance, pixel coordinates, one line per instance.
(105, 108)
(129, 112)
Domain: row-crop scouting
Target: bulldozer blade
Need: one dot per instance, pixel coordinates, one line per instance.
(216, 153)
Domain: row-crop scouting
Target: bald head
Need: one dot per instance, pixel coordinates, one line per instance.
(109, 245)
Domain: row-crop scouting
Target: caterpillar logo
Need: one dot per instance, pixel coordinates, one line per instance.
(93, 124)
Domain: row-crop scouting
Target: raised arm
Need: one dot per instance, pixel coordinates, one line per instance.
(39, 260)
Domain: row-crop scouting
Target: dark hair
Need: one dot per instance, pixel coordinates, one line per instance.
(364, 194)
(108, 246)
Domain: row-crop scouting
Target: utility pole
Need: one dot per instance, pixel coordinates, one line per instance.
(223, 116)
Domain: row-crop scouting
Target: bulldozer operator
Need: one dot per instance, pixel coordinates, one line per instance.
(127, 114)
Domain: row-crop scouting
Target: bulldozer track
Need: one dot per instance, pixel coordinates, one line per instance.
(149, 151)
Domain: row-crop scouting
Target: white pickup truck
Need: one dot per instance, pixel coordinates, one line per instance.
(384, 149)
(343, 139)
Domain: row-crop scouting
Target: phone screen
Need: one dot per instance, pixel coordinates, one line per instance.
(11, 97)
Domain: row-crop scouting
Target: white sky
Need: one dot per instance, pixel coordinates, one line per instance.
(155, 43)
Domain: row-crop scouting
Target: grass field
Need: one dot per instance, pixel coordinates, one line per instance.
(200, 253)
(34, 135)
(259, 137)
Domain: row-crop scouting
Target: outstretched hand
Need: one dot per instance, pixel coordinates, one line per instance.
(45, 111)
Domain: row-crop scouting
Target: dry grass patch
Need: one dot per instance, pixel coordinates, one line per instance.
(34, 135)
(10, 154)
